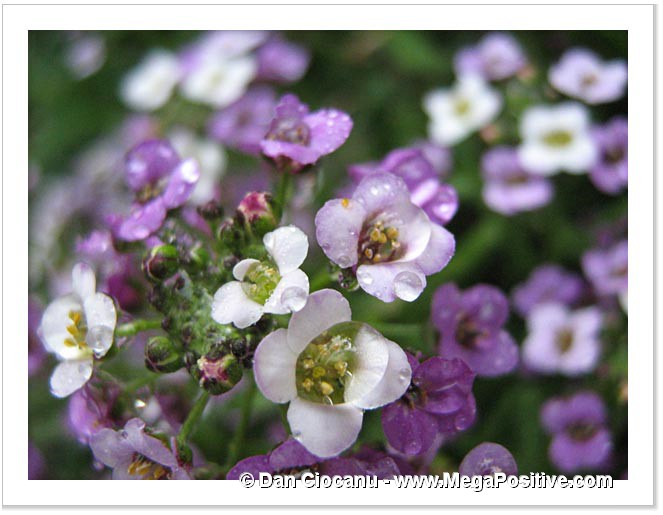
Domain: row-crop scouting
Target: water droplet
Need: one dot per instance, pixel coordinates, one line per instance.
(330, 123)
(404, 375)
(139, 404)
(296, 433)
(364, 278)
(99, 339)
(408, 286)
(294, 298)
(375, 191)
(343, 261)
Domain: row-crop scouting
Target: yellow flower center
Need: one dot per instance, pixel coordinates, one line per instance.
(77, 331)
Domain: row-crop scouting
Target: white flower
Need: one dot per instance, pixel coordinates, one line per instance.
(77, 328)
(330, 370)
(556, 138)
(149, 86)
(218, 80)
(457, 112)
(275, 286)
(210, 156)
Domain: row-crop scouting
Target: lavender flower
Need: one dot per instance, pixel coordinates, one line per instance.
(438, 200)
(161, 181)
(562, 341)
(389, 242)
(508, 187)
(607, 269)
(470, 326)
(90, 410)
(487, 459)
(580, 438)
(36, 354)
(439, 400)
(134, 454)
(281, 61)
(581, 74)
(330, 370)
(497, 56)
(547, 283)
(610, 173)
(244, 123)
(297, 138)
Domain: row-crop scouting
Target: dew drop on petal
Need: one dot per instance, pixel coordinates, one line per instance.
(296, 433)
(407, 286)
(343, 261)
(99, 339)
(364, 277)
(404, 375)
(294, 298)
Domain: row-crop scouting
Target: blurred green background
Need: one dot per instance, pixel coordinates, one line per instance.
(379, 78)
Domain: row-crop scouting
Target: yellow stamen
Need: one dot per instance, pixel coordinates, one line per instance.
(326, 388)
(345, 203)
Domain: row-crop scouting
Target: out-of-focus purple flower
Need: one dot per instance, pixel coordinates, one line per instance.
(508, 187)
(90, 410)
(134, 454)
(36, 464)
(487, 459)
(607, 269)
(580, 438)
(470, 326)
(244, 123)
(297, 138)
(581, 74)
(389, 242)
(160, 181)
(497, 56)
(291, 458)
(85, 54)
(438, 401)
(437, 155)
(438, 200)
(36, 353)
(562, 341)
(610, 173)
(547, 283)
(282, 61)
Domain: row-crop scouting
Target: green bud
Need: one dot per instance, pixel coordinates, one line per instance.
(217, 375)
(199, 256)
(163, 355)
(161, 263)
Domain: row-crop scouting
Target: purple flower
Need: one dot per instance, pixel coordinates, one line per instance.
(487, 459)
(497, 56)
(161, 181)
(437, 155)
(470, 326)
(508, 187)
(438, 200)
(607, 269)
(134, 454)
(281, 61)
(390, 243)
(547, 283)
(90, 410)
(580, 438)
(291, 458)
(244, 123)
(438, 401)
(297, 138)
(562, 341)
(36, 463)
(580, 73)
(36, 353)
(610, 173)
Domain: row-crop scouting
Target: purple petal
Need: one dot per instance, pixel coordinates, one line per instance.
(143, 221)
(410, 431)
(253, 465)
(291, 454)
(338, 224)
(148, 162)
(487, 459)
(181, 184)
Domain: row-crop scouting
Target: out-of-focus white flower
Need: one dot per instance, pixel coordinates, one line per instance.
(149, 86)
(557, 138)
(460, 110)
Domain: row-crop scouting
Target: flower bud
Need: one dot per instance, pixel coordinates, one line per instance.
(161, 263)
(217, 375)
(211, 210)
(256, 211)
(163, 355)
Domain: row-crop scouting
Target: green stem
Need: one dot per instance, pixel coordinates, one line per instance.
(136, 326)
(284, 190)
(193, 417)
(247, 407)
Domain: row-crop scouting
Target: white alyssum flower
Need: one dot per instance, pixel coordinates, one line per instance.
(150, 85)
(330, 370)
(78, 328)
(458, 111)
(210, 156)
(275, 285)
(556, 138)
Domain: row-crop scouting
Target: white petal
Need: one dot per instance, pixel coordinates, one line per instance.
(372, 359)
(231, 305)
(54, 325)
(274, 367)
(240, 269)
(148, 86)
(323, 309)
(324, 430)
(288, 247)
(100, 310)
(83, 281)
(69, 376)
(289, 295)
(394, 382)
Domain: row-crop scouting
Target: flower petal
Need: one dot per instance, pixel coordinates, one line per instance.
(100, 316)
(181, 184)
(409, 430)
(69, 376)
(150, 447)
(54, 325)
(240, 269)
(323, 309)
(337, 228)
(438, 253)
(274, 367)
(111, 448)
(324, 430)
(83, 281)
(231, 305)
(329, 129)
(289, 295)
(387, 281)
(288, 247)
(372, 358)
